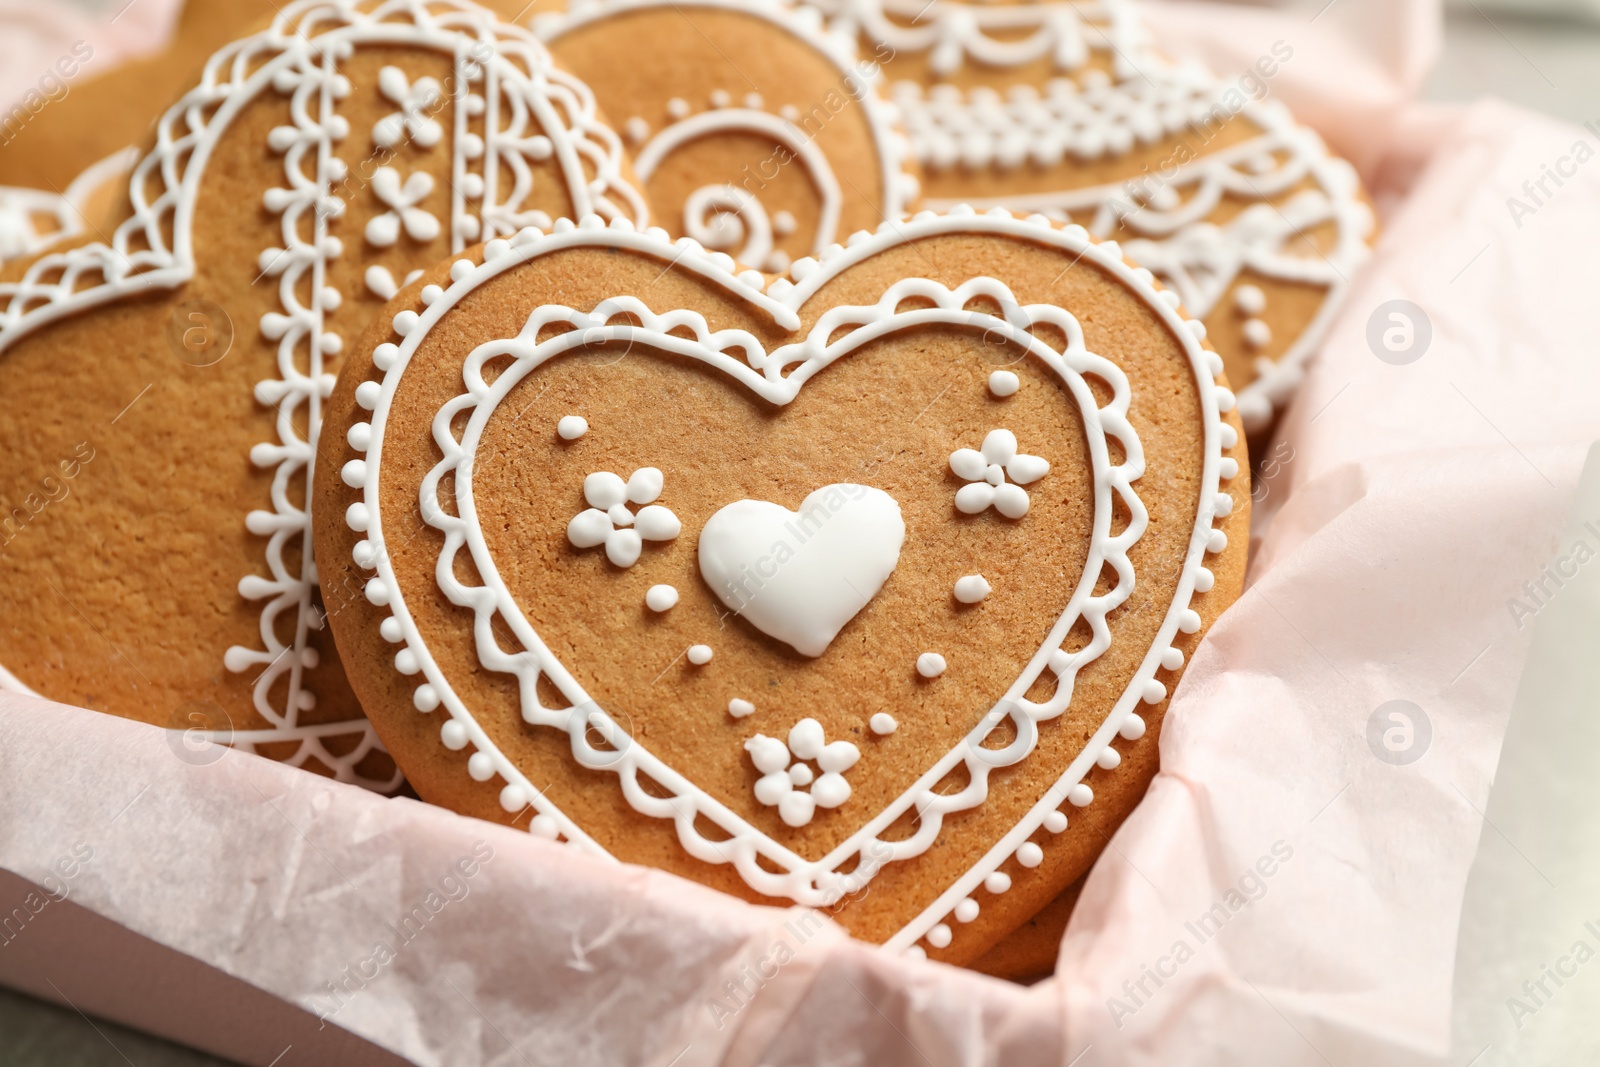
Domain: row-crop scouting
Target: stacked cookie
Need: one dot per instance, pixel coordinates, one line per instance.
(599, 424)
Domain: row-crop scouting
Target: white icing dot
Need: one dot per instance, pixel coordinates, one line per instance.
(637, 130)
(661, 598)
(801, 775)
(768, 754)
(572, 427)
(454, 735)
(930, 665)
(1030, 854)
(513, 798)
(699, 655)
(831, 790)
(1055, 821)
(806, 739)
(1172, 658)
(720, 98)
(480, 767)
(544, 826)
(915, 952)
(967, 910)
(1110, 759)
(972, 588)
(1132, 728)
(739, 708)
(1257, 334)
(1004, 383)
(939, 936)
(783, 223)
(796, 809)
(883, 723)
(998, 882)
(1250, 300)
(1080, 795)
(677, 107)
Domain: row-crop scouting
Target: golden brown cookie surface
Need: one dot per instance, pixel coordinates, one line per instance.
(178, 367)
(753, 130)
(893, 407)
(1208, 181)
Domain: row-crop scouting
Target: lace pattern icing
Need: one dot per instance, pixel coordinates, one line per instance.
(779, 375)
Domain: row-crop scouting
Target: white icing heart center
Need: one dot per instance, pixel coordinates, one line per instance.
(801, 576)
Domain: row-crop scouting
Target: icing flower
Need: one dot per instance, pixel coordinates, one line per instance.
(784, 782)
(402, 200)
(415, 99)
(986, 473)
(609, 521)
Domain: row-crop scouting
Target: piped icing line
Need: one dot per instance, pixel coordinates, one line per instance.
(1092, 114)
(497, 67)
(999, 35)
(807, 882)
(1202, 260)
(154, 247)
(20, 236)
(752, 238)
(780, 300)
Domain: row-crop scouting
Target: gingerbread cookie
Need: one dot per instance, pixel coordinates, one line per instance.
(754, 128)
(166, 384)
(1064, 108)
(846, 588)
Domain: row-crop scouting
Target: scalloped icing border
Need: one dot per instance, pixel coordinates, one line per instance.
(781, 298)
(297, 55)
(807, 882)
(955, 32)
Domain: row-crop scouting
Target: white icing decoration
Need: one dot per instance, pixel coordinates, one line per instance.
(777, 377)
(986, 472)
(1092, 116)
(998, 35)
(298, 58)
(781, 781)
(1249, 300)
(21, 208)
(402, 200)
(381, 283)
(930, 665)
(729, 217)
(1004, 383)
(800, 577)
(739, 708)
(415, 99)
(883, 724)
(699, 655)
(972, 588)
(1257, 334)
(661, 598)
(572, 427)
(608, 520)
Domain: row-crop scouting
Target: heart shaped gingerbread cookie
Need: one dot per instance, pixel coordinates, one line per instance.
(165, 382)
(842, 588)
